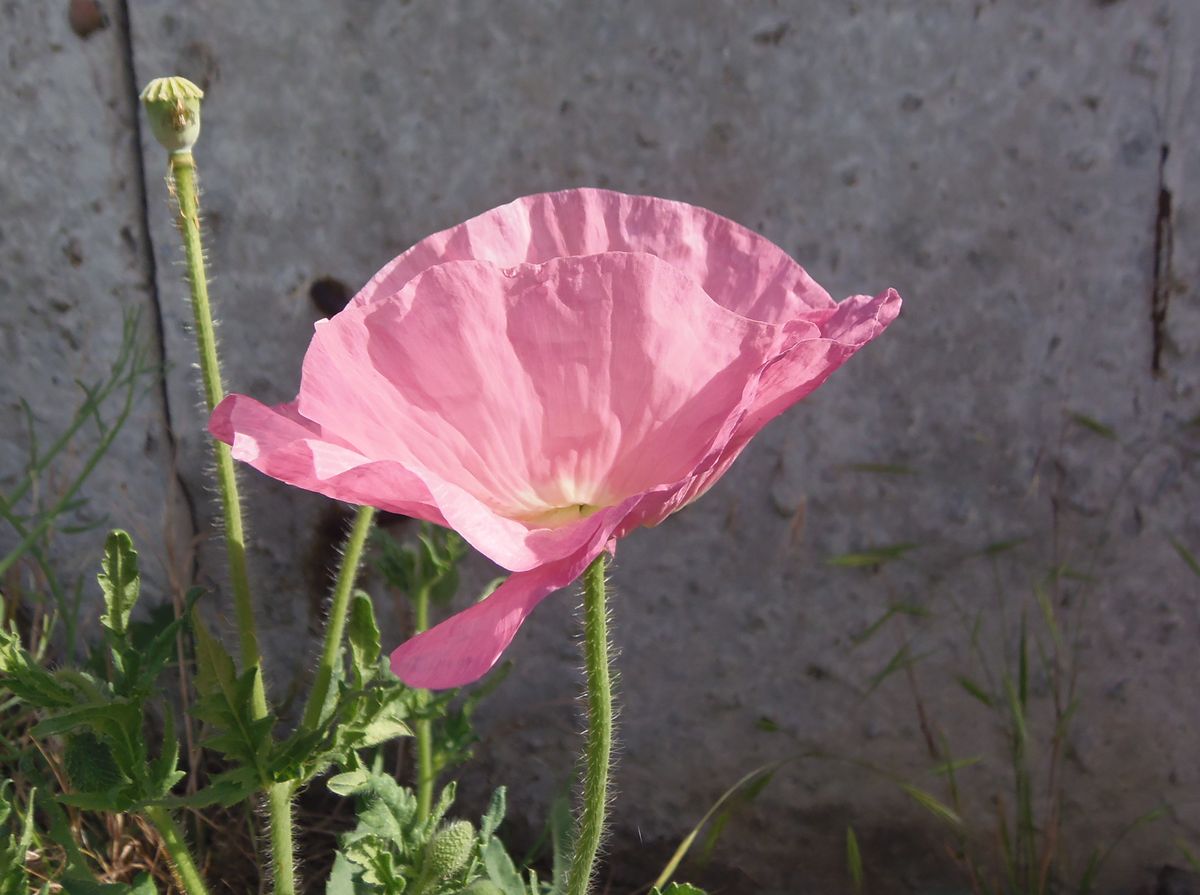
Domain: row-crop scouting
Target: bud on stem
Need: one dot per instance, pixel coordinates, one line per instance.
(173, 107)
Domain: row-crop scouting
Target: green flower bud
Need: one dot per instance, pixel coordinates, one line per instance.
(448, 851)
(173, 107)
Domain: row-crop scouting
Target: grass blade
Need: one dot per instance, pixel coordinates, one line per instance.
(854, 861)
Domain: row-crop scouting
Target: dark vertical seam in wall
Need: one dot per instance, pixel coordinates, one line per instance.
(1162, 280)
(150, 268)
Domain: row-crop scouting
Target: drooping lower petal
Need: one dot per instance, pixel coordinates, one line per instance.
(463, 648)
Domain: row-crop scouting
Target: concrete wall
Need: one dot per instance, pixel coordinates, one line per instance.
(1013, 168)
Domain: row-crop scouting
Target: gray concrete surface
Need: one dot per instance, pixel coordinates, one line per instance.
(74, 257)
(1000, 163)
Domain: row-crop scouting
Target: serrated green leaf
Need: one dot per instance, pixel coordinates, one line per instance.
(90, 764)
(120, 580)
(500, 869)
(215, 671)
(349, 783)
(226, 789)
(226, 704)
(115, 800)
(341, 877)
(363, 633)
(164, 771)
(144, 885)
(25, 678)
(381, 730)
(494, 816)
(445, 800)
(484, 887)
(14, 879)
(117, 715)
(146, 664)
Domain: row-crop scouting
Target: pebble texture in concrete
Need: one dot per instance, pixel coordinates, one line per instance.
(1023, 173)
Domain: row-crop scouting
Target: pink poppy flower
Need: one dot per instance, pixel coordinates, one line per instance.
(543, 379)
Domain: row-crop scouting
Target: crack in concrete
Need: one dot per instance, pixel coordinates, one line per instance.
(1162, 278)
(150, 269)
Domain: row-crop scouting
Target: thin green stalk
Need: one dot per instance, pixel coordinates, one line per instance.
(173, 109)
(332, 650)
(279, 807)
(598, 756)
(182, 865)
(423, 728)
(31, 537)
(183, 175)
(89, 410)
(279, 795)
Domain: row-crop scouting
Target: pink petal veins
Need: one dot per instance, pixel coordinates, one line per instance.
(740, 270)
(546, 377)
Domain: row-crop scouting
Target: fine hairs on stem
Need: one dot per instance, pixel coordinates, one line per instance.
(598, 751)
(423, 727)
(173, 108)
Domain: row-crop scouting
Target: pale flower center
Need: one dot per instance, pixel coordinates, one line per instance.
(556, 517)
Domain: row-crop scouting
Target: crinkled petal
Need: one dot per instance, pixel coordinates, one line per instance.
(463, 648)
(741, 270)
(787, 379)
(284, 445)
(519, 396)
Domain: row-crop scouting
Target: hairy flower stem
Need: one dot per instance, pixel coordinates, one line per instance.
(183, 183)
(423, 728)
(598, 757)
(173, 108)
(283, 851)
(279, 795)
(332, 650)
(173, 839)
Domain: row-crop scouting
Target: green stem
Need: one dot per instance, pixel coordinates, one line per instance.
(182, 864)
(183, 175)
(336, 625)
(600, 730)
(279, 807)
(423, 728)
(279, 795)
